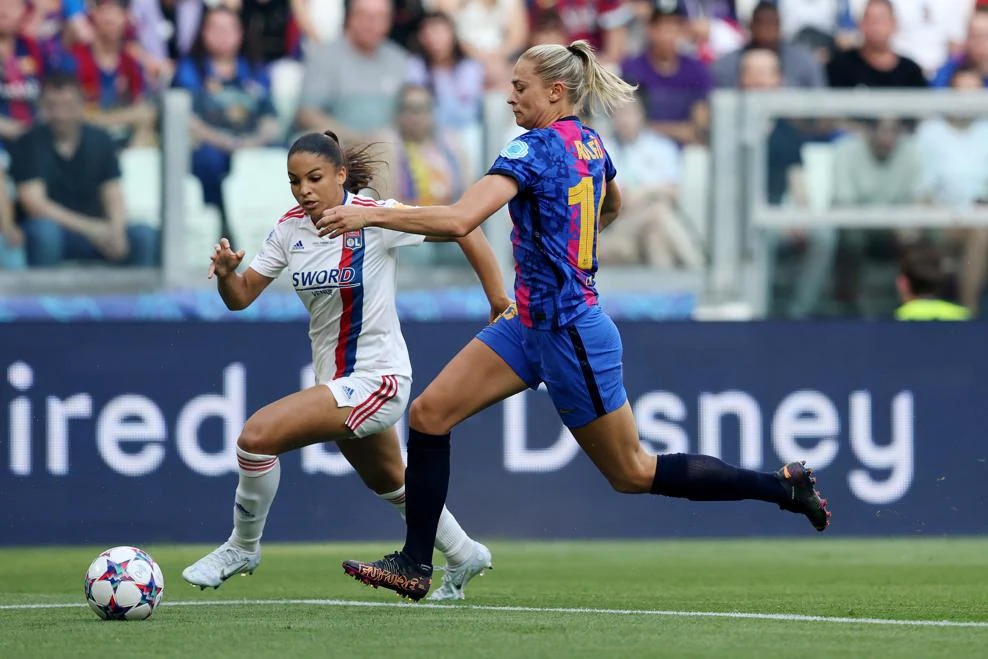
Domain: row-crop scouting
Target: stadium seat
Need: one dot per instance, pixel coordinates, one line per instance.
(818, 172)
(202, 226)
(256, 195)
(694, 191)
(140, 173)
(265, 163)
(286, 90)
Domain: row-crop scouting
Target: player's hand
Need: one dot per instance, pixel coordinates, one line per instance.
(224, 260)
(340, 219)
(498, 306)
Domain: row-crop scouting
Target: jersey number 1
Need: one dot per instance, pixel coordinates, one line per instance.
(581, 194)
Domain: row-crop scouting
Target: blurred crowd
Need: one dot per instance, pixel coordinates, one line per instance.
(82, 80)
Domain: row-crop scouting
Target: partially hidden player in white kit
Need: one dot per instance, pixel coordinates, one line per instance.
(360, 360)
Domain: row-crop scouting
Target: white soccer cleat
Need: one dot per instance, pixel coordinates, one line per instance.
(220, 564)
(455, 579)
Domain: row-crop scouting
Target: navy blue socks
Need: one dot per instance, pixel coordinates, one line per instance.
(426, 485)
(705, 478)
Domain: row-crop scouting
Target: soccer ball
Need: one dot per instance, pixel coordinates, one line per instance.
(124, 583)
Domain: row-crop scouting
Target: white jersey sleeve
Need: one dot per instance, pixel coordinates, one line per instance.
(393, 238)
(272, 258)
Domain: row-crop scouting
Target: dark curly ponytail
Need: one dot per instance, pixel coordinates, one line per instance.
(359, 161)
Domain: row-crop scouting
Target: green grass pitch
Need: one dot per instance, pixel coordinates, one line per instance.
(543, 599)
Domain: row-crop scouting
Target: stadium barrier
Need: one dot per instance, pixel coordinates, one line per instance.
(124, 432)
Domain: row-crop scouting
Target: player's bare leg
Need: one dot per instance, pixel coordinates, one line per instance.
(297, 420)
(476, 378)
(612, 443)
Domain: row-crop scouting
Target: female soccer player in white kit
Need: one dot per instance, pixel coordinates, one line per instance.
(361, 364)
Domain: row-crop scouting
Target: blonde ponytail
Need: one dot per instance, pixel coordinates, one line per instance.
(588, 84)
(603, 89)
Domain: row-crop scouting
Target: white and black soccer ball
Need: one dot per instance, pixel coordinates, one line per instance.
(124, 583)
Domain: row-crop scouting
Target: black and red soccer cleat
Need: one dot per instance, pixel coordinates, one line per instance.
(804, 498)
(395, 572)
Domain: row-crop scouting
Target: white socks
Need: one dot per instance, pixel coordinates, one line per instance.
(451, 539)
(259, 478)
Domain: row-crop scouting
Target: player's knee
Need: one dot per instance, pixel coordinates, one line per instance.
(631, 480)
(255, 439)
(426, 416)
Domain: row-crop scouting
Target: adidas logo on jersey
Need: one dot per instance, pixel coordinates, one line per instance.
(348, 391)
(298, 246)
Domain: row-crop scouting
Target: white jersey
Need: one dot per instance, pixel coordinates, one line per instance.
(348, 286)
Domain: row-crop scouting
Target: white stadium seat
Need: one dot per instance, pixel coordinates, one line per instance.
(256, 194)
(142, 185)
(140, 174)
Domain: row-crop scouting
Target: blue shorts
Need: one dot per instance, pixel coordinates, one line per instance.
(580, 364)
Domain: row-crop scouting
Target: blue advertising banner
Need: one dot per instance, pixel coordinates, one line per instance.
(125, 432)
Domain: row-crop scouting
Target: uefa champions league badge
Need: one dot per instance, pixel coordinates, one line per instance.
(353, 239)
(514, 150)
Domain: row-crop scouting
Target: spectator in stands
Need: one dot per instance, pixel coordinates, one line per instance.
(231, 101)
(405, 21)
(637, 28)
(953, 151)
(929, 31)
(714, 27)
(11, 236)
(431, 168)
(675, 86)
(826, 18)
(351, 84)
(799, 67)
(548, 29)
(920, 284)
(57, 26)
(456, 81)
(112, 79)
(813, 250)
(22, 66)
(877, 166)
(267, 30)
(650, 230)
(875, 63)
(974, 53)
(601, 22)
(822, 45)
(166, 31)
(492, 32)
(68, 187)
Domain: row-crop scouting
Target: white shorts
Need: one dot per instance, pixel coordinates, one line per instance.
(377, 401)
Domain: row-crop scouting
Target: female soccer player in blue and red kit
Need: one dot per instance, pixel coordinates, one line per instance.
(558, 182)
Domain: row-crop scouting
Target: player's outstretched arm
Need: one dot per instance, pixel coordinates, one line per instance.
(479, 202)
(612, 205)
(481, 257)
(238, 291)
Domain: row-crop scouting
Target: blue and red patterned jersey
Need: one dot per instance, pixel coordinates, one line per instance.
(112, 89)
(561, 171)
(20, 81)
